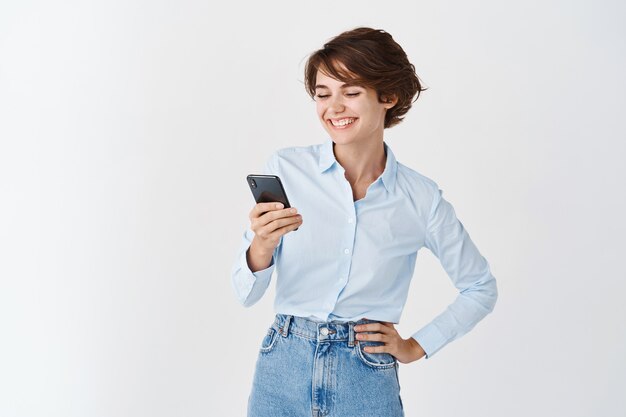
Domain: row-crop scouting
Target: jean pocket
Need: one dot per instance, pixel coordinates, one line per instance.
(269, 340)
(382, 360)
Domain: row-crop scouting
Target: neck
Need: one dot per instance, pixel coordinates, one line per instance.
(363, 162)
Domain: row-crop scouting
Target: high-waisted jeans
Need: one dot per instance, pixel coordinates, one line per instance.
(314, 368)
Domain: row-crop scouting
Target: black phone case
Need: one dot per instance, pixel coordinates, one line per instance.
(267, 189)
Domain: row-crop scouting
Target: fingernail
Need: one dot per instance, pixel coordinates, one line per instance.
(279, 206)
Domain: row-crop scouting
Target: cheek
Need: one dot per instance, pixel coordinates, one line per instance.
(320, 111)
(374, 112)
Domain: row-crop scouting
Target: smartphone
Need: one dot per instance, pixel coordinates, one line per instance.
(267, 189)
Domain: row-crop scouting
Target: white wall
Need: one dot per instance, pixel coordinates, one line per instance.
(127, 128)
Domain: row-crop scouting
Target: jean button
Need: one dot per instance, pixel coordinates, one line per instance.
(324, 331)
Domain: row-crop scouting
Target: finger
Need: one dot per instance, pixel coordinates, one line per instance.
(375, 349)
(272, 215)
(261, 208)
(277, 214)
(285, 229)
(376, 337)
(273, 226)
(372, 327)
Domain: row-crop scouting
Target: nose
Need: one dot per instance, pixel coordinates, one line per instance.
(335, 103)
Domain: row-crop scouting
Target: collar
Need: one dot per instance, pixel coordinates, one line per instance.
(327, 159)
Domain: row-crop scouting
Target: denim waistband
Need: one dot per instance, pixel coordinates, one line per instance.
(338, 331)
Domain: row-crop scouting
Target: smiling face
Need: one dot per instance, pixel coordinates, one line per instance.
(349, 113)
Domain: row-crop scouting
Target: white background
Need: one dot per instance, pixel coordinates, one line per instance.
(127, 129)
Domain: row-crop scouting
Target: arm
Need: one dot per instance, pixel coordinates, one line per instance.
(252, 271)
(249, 284)
(257, 257)
(468, 270)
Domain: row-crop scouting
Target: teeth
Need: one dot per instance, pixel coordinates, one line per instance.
(342, 122)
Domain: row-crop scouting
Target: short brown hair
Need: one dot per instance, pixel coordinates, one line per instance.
(373, 59)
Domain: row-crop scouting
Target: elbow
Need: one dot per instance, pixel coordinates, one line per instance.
(484, 293)
(488, 289)
(492, 293)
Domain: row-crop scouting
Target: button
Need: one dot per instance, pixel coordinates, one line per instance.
(324, 331)
(346, 251)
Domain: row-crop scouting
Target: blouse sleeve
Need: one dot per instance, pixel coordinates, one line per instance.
(250, 286)
(468, 270)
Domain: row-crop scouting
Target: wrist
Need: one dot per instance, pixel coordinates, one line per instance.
(416, 348)
(258, 249)
(258, 257)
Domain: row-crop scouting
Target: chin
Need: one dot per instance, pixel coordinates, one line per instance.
(341, 139)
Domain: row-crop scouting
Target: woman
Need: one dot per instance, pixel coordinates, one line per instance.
(343, 276)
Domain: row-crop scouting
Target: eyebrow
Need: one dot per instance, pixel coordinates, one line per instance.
(345, 85)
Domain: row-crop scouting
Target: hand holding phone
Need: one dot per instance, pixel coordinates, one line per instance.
(267, 189)
(268, 222)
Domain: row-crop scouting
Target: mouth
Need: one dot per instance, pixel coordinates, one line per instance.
(343, 123)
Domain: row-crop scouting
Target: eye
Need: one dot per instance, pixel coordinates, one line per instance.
(321, 96)
(353, 94)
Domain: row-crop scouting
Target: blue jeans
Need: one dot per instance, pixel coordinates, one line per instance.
(315, 368)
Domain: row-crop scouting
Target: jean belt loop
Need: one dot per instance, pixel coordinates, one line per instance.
(350, 334)
(285, 329)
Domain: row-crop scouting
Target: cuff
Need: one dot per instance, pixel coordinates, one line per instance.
(251, 285)
(430, 339)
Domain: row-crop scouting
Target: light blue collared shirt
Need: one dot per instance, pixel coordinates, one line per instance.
(354, 259)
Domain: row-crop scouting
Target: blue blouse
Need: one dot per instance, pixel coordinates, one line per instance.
(354, 259)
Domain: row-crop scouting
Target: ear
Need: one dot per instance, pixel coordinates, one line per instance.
(390, 101)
